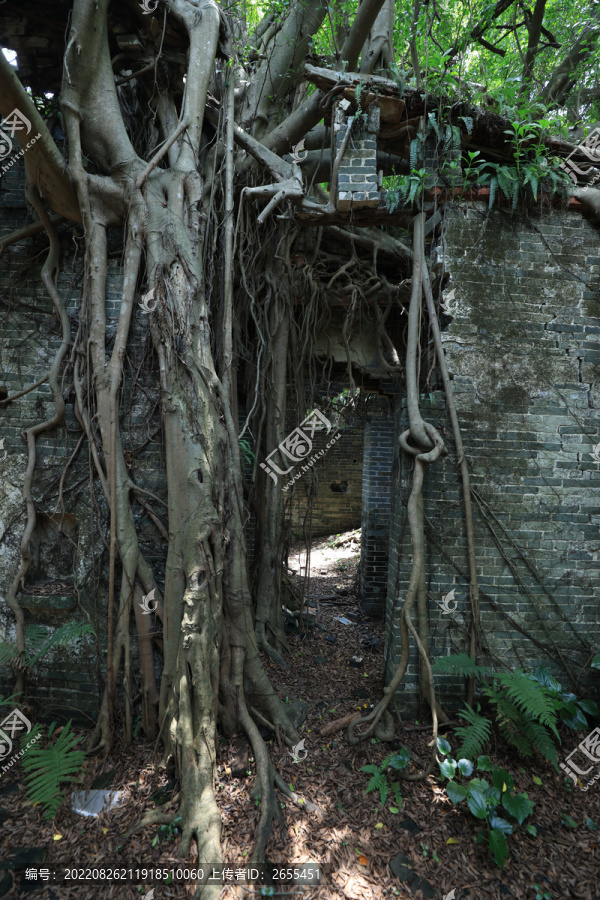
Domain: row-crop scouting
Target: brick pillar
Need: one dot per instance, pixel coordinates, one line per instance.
(376, 494)
(357, 177)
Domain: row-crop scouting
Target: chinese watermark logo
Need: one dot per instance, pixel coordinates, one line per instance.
(447, 600)
(10, 728)
(145, 602)
(14, 122)
(2, 458)
(590, 747)
(296, 150)
(146, 300)
(595, 454)
(297, 750)
(590, 148)
(147, 9)
(298, 445)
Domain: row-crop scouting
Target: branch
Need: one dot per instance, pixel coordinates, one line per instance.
(480, 29)
(276, 73)
(278, 168)
(534, 27)
(359, 31)
(564, 76)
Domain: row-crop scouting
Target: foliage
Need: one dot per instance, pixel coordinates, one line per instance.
(36, 636)
(49, 769)
(409, 190)
(248, 456)
(483, 800)
(379, 777)
(526, 708)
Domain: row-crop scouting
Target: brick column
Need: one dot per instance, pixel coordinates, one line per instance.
(376, 495)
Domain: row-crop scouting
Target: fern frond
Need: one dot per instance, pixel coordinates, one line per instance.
(63, 635)
(515, 736)
(433, 125)
(531, 696)
(414, 153)
(7, 652)
(475, 737)
(461, 664)
(48, 768)
(541, 740)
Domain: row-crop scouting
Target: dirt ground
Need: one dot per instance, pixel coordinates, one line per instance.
(425, 848)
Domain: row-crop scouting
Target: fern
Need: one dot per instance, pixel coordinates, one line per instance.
(7, 652)
(534, 699)
(461, 664)
(414, 153)
(475, 736)
(48, 768)
(36, 636)
(433, 125)
(541, 739)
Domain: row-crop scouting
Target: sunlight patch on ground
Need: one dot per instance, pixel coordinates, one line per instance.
(328, 554)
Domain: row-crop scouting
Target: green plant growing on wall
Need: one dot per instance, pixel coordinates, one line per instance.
(36, 636)
(483, 800)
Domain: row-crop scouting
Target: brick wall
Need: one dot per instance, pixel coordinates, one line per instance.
(68, 679)
(523, 350)
(335, 484)
(376, 508)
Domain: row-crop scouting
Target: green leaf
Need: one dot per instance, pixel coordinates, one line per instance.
(590, 707)
(485, 764)
(531, 829)
(477, 802)
(443, 746)
(501, 825)
(518, 806)
(536, 779)
(498, 847)
(501, 777)
(394, 810)
(591, 825)
(370, 769)
(460, 664)
(465, 766)
(400, 760)
(595, 663)
(448, 768)
(456, 792)
(569, 821)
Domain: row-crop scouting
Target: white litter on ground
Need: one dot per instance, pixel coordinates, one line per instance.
(92, 803)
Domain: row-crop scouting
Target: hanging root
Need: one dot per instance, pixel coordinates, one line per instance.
(427, 446)
(49, 272)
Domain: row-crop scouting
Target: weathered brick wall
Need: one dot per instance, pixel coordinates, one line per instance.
(68, 679)
(376, 508)
(523, 350)
(335, 495)
(357, 177)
